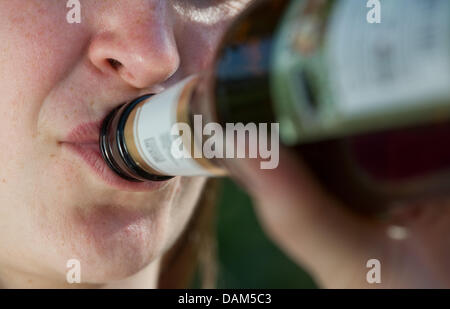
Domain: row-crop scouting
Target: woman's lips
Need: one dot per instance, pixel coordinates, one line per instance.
(83, 141)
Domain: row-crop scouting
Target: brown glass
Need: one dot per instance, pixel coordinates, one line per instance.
(368, 172)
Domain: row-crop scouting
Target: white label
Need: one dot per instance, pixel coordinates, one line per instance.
(397, 64)
(152, 131)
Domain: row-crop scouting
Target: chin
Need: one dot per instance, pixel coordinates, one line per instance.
(113, 243)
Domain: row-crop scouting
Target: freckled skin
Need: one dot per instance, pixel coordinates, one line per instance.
(54, 76)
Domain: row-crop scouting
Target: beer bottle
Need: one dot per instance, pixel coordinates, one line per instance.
(366, 105)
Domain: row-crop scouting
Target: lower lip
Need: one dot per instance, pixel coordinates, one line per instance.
(91, 155)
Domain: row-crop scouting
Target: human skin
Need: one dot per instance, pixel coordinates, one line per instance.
(53, 208)
(55, 76)
(335, 244)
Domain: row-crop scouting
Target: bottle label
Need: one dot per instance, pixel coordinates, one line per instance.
(336, 74)
(402, 62)
(154, 130)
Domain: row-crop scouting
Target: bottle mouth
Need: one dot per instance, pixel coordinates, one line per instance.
(105, 147)
(113, 147)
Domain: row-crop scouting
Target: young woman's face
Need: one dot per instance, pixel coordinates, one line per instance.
(57, 84)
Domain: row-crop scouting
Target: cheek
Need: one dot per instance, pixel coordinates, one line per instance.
(16, 138)
(184, 205)
(197, 45)
(199, 31)
(38, 47)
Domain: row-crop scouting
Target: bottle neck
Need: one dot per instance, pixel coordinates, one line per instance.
(240, 85)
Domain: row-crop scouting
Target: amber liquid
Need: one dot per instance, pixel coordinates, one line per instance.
(368, 172)
(376, 171)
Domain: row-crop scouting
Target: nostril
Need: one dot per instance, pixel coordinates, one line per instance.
(114, 63)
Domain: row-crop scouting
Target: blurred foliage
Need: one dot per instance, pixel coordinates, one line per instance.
(247, 258)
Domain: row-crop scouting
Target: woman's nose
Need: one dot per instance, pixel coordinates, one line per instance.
(137, 44)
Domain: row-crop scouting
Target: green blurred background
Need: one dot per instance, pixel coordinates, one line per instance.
(247, 258)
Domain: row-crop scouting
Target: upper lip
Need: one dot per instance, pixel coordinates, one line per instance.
(85, 133)
(89, 132)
